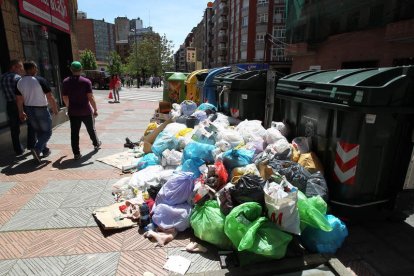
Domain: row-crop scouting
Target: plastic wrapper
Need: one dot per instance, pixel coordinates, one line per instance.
(193, 165)
(256, 144)
(150, 128)
(199, 150)
(146, 177)
(249, 188)
(174, 128)
(188, 107)
(237, 158)
(240, 171)
(316, 186)
(312, 212)
(200, 115)
(282, 127)
(207, 222)
(251, 129)
(164, 141)
(319, 241)
(177, 190)
(231, 136)
(207, 106)
(296, 174)
(273, 135)
(311, 162)
(248, 231)
(147, 160)
(171, 158)
(177, 216)
(281, 204)
(281, 150)
(224, 199)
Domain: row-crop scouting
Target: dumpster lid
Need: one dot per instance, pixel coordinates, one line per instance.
(177, 77)
(369, 87)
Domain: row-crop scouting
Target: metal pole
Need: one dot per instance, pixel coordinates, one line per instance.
(270, 98)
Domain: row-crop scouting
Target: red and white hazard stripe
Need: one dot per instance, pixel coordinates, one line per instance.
(346, 161)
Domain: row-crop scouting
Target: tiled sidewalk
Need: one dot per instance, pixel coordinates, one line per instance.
(46, 226)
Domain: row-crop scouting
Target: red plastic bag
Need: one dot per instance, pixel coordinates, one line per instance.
(110, 96)
(221, 173)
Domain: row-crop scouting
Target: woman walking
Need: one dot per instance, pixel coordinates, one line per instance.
(115, 85)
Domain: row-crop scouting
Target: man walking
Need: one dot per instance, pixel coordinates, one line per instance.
(8, 84)
(79, 99)
(34, 92)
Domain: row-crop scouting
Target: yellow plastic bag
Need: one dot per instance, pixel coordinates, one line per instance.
(240, 171)
(183, 132)
(150, 127)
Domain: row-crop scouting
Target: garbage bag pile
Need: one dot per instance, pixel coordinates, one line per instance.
(238, 185)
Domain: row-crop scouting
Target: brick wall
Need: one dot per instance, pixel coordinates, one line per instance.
(85, 35)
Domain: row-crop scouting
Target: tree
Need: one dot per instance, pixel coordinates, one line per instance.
(88, 60)
(152, 55)
(115, 64)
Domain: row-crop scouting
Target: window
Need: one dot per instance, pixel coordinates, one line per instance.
(259, 55)
(245, 21)
(262, 2)
(260, 38)
(244, 39)
(245, 4)
(279, 33)
(279, 1)
(243, 55)
(278, 53)
(280, 15)
(262, 18)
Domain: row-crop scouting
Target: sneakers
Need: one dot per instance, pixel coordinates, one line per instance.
(46, 153)
(97, 147)
(77, 156)
(35, 155)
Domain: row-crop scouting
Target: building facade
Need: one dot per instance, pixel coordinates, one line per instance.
(350, 34)
(242, 32)
(43, 33)
(122, 30)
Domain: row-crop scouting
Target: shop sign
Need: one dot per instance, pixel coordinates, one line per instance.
(54, 13)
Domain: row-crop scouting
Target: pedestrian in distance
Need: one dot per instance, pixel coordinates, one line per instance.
(33, 96)
(115, 85)
(78, 98)
(8, 85)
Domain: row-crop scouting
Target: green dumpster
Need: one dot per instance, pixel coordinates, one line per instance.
(176, 92)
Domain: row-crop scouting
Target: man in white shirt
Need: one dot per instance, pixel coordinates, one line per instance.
(33, 95)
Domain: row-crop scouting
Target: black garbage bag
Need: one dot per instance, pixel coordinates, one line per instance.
(316, 185)
(295, 173)
(153, 191)
(249, 188)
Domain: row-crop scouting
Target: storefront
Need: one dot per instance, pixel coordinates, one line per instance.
(44, 28)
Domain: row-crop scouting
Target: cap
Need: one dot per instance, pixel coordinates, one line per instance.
(76, 65)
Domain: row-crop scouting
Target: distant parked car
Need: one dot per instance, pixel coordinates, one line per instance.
(99, 79)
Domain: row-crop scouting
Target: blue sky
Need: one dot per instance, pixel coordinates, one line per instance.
(175, 18)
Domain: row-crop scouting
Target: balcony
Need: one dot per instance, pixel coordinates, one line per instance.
(224, 11)
(223, 39)
(222, 52)
(223, 25)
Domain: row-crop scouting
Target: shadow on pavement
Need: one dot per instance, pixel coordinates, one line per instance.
(72, 163)
(21, 165)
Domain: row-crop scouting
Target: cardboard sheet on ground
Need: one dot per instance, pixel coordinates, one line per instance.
(109, 217)
(120, 160)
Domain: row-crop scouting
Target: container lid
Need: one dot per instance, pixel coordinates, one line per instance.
(177, 77)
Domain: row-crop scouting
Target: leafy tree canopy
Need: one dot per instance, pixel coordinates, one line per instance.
(88, 60)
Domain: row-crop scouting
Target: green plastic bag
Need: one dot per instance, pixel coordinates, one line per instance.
(250, 232)
(312, 212)
(207, 222)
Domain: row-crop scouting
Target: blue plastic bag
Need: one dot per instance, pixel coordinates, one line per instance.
(178, 189)
(207, 106)
(188, 107)
(199, 150)
(164, 141)
(177, 216)
(192, 165)
(149, 159)
(319, 241)
(237, 158)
